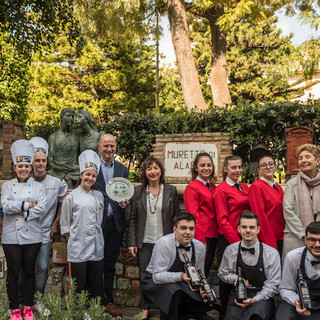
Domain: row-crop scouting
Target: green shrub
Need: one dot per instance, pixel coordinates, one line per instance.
(247, 123)
(71, 306)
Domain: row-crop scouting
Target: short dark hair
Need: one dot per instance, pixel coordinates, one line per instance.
(226, 162)
(183, 216)
(264, 156)
(247, 214)
(194, 172)
(66, 110)
(145, 164)
(313, 227)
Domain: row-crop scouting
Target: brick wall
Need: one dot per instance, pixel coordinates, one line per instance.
(11, 131)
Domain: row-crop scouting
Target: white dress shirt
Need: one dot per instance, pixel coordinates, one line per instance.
(271, 263)
(288, 286)
(164, 254)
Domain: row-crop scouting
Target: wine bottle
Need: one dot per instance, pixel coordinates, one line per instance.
(241, 290)
(191, 272)
(206, 288)
(303, 291)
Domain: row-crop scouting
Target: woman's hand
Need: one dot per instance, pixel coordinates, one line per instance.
(133, 250)
(32, 204)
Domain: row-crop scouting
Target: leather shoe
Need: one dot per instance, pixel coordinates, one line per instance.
(113, 310)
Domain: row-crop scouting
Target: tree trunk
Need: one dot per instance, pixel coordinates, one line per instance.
(190, 83)
(219, 78)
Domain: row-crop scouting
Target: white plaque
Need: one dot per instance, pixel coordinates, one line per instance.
(179, 157)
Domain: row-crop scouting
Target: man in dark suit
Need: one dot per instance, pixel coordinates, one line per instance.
(113, 223)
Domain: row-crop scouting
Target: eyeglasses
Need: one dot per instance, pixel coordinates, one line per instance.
(265, 165)
(313, 241)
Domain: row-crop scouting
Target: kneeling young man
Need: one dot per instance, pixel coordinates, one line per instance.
(261, 270)
(308, 260)
(165, 282)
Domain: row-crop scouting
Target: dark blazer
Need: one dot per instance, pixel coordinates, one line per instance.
(138, 213)
(119, 214)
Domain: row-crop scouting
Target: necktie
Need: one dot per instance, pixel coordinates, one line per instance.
(237, 185)
(275, 186)
(251, 250)
(185, 248)
(208, 185)
(315, 262)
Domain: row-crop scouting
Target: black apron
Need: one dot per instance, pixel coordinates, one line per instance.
(313, 285)
(256, 277)
(161, 294)
(254, 274)
(288, 311)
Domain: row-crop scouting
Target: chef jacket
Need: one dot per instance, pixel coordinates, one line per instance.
(18, 229)
(81, 217)
(55, 189)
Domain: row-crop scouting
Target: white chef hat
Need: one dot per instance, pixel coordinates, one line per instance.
(22, 151)
(89, 159)
(40, 145)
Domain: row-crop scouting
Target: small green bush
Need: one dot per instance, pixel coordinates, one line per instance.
(71, 306)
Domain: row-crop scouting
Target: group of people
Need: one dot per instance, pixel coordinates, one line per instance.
(230, 217)
(252, 228)
(35, 203)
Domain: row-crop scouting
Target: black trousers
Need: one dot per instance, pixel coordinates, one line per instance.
(21, 257)
(144, 255)
(89, 276)
(210, 253)
(288, 311)
(182, 307)
(224, 288)
(112, 244)
(280, 247)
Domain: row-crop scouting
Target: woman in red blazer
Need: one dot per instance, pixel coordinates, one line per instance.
(265, 199)
(230, 199)
(198, 200)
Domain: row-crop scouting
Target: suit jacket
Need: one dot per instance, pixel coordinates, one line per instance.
(198, 200)
(294, 230)
(229, 203)
(119, 214)
(266, 203)
(138, 213)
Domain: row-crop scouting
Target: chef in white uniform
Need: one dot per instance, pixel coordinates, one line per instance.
(23, 202)
(55, 189)
(80, 222)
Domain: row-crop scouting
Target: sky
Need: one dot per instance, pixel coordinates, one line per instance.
(286, 24)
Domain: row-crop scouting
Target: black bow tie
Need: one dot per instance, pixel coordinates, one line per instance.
(185, 248)
(251, 250)
(315, 262)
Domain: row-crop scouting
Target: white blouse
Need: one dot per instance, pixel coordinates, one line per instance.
(153, 230)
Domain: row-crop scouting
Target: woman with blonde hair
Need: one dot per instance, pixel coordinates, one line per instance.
(301, 202)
